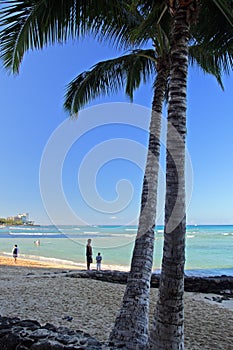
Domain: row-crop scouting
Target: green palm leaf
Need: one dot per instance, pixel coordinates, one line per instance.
(211, 62)
(33, 24)
(213, 42)
(109, 77)
(226, 8)
(215, 32)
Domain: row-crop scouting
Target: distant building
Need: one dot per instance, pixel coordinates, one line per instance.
(22, 218)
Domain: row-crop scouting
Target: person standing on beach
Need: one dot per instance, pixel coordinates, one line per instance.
(15, 252)
(98, 262)
(89, 253)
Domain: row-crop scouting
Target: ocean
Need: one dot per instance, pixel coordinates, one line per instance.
(208, 248)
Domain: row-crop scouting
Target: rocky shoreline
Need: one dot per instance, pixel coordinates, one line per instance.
(222, 285)
(30, 335)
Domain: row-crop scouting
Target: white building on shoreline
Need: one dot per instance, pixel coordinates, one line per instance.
(22, 218)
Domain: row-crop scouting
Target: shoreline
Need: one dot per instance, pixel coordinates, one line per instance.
(41, 261)
(37, 263)
(218, 288)
(21, 262)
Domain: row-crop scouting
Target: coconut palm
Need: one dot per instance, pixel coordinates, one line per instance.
(128, 328)
(168, 328)
(138, 284)
(130, 68)
(170, 304)
(108, 77)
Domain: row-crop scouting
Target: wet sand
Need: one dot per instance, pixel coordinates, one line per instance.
(36, 290)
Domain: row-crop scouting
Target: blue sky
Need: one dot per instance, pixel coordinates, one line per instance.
(31, 111)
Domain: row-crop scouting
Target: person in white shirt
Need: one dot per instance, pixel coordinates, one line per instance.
(98, 262)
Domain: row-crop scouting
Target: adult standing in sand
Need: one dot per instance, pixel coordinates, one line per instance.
(89, 253)
(15, 252)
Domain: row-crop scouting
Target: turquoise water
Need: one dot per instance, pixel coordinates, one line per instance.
(208, 248)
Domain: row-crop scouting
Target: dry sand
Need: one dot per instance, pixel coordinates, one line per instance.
(42, 292)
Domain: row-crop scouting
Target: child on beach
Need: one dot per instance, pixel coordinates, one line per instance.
(98, 262)
(15, 252)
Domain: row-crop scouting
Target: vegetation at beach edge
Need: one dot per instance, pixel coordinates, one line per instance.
(10, 222)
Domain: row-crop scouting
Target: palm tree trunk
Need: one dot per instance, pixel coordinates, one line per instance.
(131, 325)
(168, 328)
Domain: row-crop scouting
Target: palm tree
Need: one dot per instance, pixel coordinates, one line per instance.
(168, 328)
(131, 323)
(134, 311)
(138, 284)
(131, 326)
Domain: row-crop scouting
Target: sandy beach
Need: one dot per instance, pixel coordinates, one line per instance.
(43, 292)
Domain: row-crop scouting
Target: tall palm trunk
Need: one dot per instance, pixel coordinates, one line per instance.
(168, 328)
(131, 325)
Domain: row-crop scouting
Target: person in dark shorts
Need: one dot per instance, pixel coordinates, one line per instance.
(15, 252)
(89, 253)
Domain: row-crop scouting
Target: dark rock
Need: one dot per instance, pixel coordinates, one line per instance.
(67, 318)
(29, 324)
(8, 322)
(27, 342)
(3, 332)
(65, 330)
(47, 345)
(9, 341)
(40, 333)
(217, 284)
(217, 299)
(66, 339)
(22, 335)
(21, 347)
(50, 327)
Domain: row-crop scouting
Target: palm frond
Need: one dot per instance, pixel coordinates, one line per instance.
(33, 24)
(213, 29)
(152, 15)
(109, 77)
(226, 8)
(208, 63)
(212, 38)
